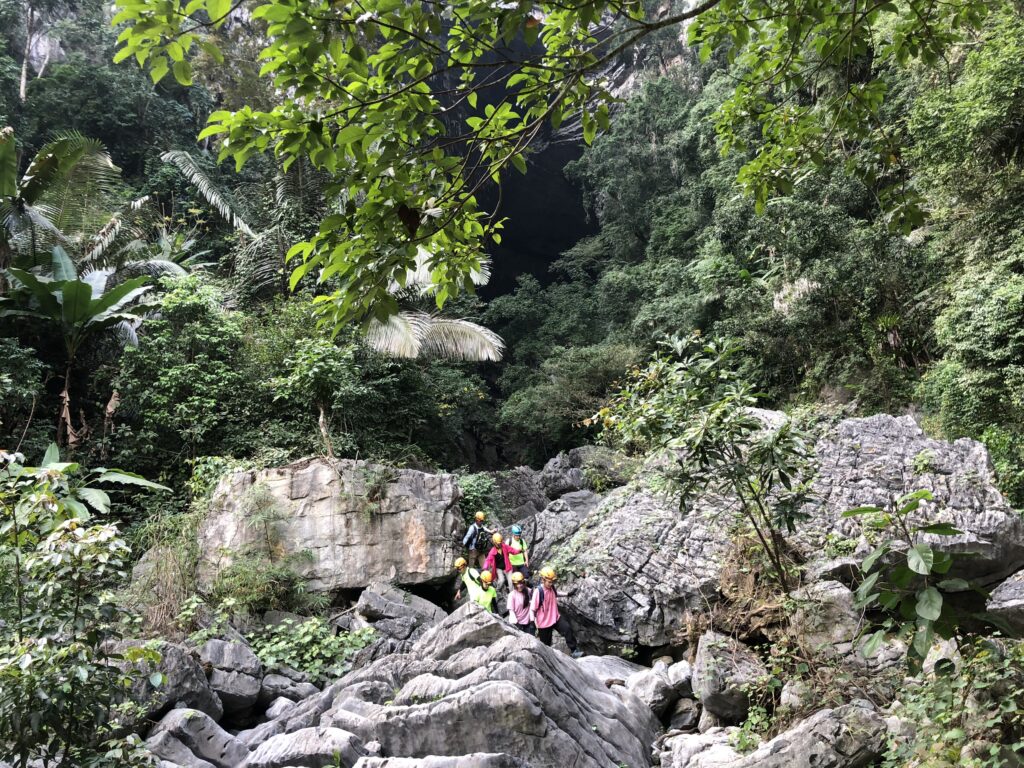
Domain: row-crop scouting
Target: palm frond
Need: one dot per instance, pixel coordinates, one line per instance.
(420, 281)
(455, 339)
(185, 163)
(399, 336)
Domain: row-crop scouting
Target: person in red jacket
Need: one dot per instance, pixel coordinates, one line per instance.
(544, 611)
(497, 561)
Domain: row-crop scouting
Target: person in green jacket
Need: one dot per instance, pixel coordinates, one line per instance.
(468, 578)
(488, 595)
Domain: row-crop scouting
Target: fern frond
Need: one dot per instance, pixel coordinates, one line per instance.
(185, 163)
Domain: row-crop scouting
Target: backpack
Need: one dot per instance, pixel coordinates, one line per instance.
(540, 599)
(482, 539)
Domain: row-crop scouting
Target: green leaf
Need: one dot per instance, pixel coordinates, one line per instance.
(127, 478)
(95, 498)
(871, 559)
(920, 559)
(52, 455)
(870, 648)
(158, 68)
(217, 9)
(929, 604)
(75, 298)
(62, 266)
(858, 511)
(183, 72)
(953, 585)
(940, 529)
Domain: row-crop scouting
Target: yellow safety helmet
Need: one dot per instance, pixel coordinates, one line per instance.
(517, 578)
(548, 573)
(480, 517)
(496, 538)
(486, 577)
(460, 563)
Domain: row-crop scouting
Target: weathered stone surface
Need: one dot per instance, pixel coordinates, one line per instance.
(479, 760)
(653, 687)
(277, 686)
(522, 699)
(721, 670)
(398, 618)
(520, 493)
(685, 715)
(279, 707)
(851, 736)
(590, 467)
(609, 669)
(636, 569)
(202, 737)
(184, 685)
(680, 675)
(1007, 603)
(870, 461)
(307, 748)
(234, 673)
(826, 620)
(407, 536)
(172, 752)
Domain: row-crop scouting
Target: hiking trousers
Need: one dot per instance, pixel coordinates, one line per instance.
(563, 627)
(527, 627)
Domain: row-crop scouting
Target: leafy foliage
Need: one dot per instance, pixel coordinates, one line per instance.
(913, 589)
(309, 646)
(479, 494)
(60, 683)
(696, 405)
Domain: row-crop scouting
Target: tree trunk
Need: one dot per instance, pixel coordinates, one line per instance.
(325, 434)
(29, 33)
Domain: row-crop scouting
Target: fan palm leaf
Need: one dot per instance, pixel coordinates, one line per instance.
(412, 334)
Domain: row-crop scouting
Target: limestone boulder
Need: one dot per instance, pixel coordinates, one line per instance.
(850, 736)
(200, 735)
(654, 688)
(275, 686)
(307, 748)
(722, 671)
(479, 760)
(589, 467)
(871, 461)
(521, 698)
(234, 673)
(398, 619)
(826, 620)
(358, 522)
(1007, 603)
(185, 683)
(520, 492)
(610, 670)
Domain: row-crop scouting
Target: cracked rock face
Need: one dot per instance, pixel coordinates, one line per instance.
(635, 568)
(357, 530)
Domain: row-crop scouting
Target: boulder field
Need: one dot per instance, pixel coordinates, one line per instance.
(639, 579)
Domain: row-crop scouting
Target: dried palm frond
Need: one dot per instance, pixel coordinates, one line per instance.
(188, 166)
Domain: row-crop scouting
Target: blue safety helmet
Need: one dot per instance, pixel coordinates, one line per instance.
(517, 531)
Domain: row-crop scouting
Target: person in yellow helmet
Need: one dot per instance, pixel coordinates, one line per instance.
(518, 556)
(519, 603)
(497, 561)
(545, 614)
(487, 595)
(477, 540)
(468, 578)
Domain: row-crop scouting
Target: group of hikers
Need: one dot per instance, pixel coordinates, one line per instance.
(494, 564)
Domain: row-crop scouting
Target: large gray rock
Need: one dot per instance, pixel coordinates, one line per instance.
(170, 751)
(872, 460)
(723, 670)
(203, 738)
(609, 669)
(851, 736)
(473, 684)
(275, 686)
(185, 683)
(653, 687)
(636, 569)
(479, 760)
(398, 618)
(402, 532)
(234, 673)
(590, 467)
(826, 620)
(520, 493)
(1007, 603)
(307, 748)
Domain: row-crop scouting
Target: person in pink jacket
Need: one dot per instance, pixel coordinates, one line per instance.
(519, 603)
(544, 612)
(497, 561)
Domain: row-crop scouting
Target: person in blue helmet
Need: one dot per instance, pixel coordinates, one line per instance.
(518, 557)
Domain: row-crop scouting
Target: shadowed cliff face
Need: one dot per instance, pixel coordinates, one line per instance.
(545, 217)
